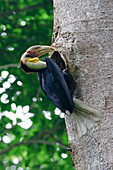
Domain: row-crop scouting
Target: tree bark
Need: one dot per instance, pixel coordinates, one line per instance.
(83, 33)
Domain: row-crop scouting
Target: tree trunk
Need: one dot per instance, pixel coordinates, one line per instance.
(83, 32)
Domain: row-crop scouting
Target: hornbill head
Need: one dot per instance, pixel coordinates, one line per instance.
(29, 60)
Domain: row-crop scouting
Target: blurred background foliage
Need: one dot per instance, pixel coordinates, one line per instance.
(32, 129)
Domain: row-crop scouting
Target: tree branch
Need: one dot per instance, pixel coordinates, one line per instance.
(8, 12)
(47, 132)
(31, 142)
(34, 140)
(8, 66)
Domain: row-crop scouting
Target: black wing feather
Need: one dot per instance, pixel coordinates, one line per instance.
(55, 87)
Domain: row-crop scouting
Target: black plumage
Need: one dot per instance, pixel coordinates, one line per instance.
(54, 86)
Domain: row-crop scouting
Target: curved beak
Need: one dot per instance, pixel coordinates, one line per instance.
(38, 50)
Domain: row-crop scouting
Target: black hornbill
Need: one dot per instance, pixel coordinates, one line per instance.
(55, 86)
(51, 78)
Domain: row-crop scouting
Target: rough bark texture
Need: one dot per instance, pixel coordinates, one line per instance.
(83, 32)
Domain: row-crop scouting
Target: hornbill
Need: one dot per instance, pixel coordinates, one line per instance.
(54, 84)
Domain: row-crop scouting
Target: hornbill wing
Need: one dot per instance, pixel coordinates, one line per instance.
(63, 95)
(58, 86)
(46, 81)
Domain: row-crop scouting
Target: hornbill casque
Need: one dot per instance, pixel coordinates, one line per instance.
(54, 83)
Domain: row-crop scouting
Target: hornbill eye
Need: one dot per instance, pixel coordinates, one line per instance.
(28, 55)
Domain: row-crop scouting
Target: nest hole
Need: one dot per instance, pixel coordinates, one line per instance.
(56, 57)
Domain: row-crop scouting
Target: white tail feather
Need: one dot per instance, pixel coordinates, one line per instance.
(85, 115)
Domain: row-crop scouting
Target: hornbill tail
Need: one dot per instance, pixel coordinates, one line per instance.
(86, 115)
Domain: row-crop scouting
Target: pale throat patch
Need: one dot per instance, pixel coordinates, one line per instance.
(33, 60)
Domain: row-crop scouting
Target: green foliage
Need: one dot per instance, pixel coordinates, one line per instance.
(32, 136)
